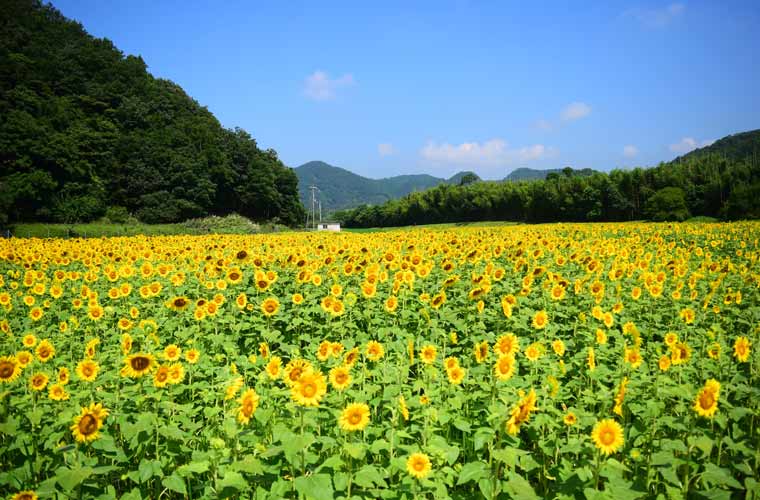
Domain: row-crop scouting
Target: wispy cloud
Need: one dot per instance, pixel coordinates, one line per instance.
(491, 153)
(656, 17)
(687, 144)
(320, 87)
(572, 112)
(630, 151)
(386, 149)
(575, 111)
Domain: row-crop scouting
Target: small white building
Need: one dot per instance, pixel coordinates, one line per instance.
(328, 226)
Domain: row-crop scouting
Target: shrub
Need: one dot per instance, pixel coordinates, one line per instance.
(667, 204)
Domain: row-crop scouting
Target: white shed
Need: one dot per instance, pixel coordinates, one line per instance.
(328, 226)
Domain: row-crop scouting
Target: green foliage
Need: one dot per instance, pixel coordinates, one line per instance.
(82, 126)
(667, 204)
(707, 185)
(117, 215)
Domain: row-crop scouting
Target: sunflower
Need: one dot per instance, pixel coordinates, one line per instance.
(607, 436)
(706, 402)
(264, 350)
(294, 369)
(340, 377)
(89, 349)
(161, 377)
(87, 370)
(601, 337)
(176, 373)
(480, 351)
(273, 367)
(540, 320)
(351, 357)
(29, 340)
(309, 389)
(633, 357)
(403, 408)
(87, 424)
(391, 304)
(178, 303)
(450, 363)
(742, 349)
(10, 369)
(591, 359)
(374, 351)
(137, 365)
(507, 345)
(558, 347)
(38, 381)
(297, 298)
(172, 352)
(534, 351)
(438, 300)
(714, 351)
(456, 374)
(664, 363)
(63, 375)
(428, 354)
(504, 367)
(354, 417)
(680, 353)
(270, 306)
(25, 495)
(95, 312)
(24, 358)
(126, 343)
(36, 314)
(192, 356)
(620, 397)
(521, 412)
(570, 419)
(249, 401)
(418, 465)
(56, 392)
(671, 339)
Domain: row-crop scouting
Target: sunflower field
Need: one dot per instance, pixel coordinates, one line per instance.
(564, 361)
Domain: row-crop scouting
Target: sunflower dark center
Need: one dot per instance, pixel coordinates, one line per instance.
(140, 363)
(6, 369)
(88, 425)
(309, 390)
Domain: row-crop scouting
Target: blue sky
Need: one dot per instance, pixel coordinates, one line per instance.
(385, 88)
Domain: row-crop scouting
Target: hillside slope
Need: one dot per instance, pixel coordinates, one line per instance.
(734, 147)
(84, 127)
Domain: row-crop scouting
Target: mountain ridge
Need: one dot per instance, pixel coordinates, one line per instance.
(339, 188)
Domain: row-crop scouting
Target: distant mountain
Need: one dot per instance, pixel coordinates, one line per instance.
(531, 174)
(734, 147)
(340, 188)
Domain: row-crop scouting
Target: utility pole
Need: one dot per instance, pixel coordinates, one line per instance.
(320, 211)
(313, 190)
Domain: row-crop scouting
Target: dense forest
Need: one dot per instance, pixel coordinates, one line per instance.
(707, 182)
(86, 130)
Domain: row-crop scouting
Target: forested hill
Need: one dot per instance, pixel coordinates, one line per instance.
(532, 174)
(84, 127)
(712, 183)
(340, 188)
(734, 147)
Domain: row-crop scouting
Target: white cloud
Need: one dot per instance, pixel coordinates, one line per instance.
(657, 18)
(320, 87)
(385, 149)
(575, 111)
(687, 144)
(491, 153)
(630, 151)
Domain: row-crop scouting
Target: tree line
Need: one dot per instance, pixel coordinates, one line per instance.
(711, 184)
(86, 130)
